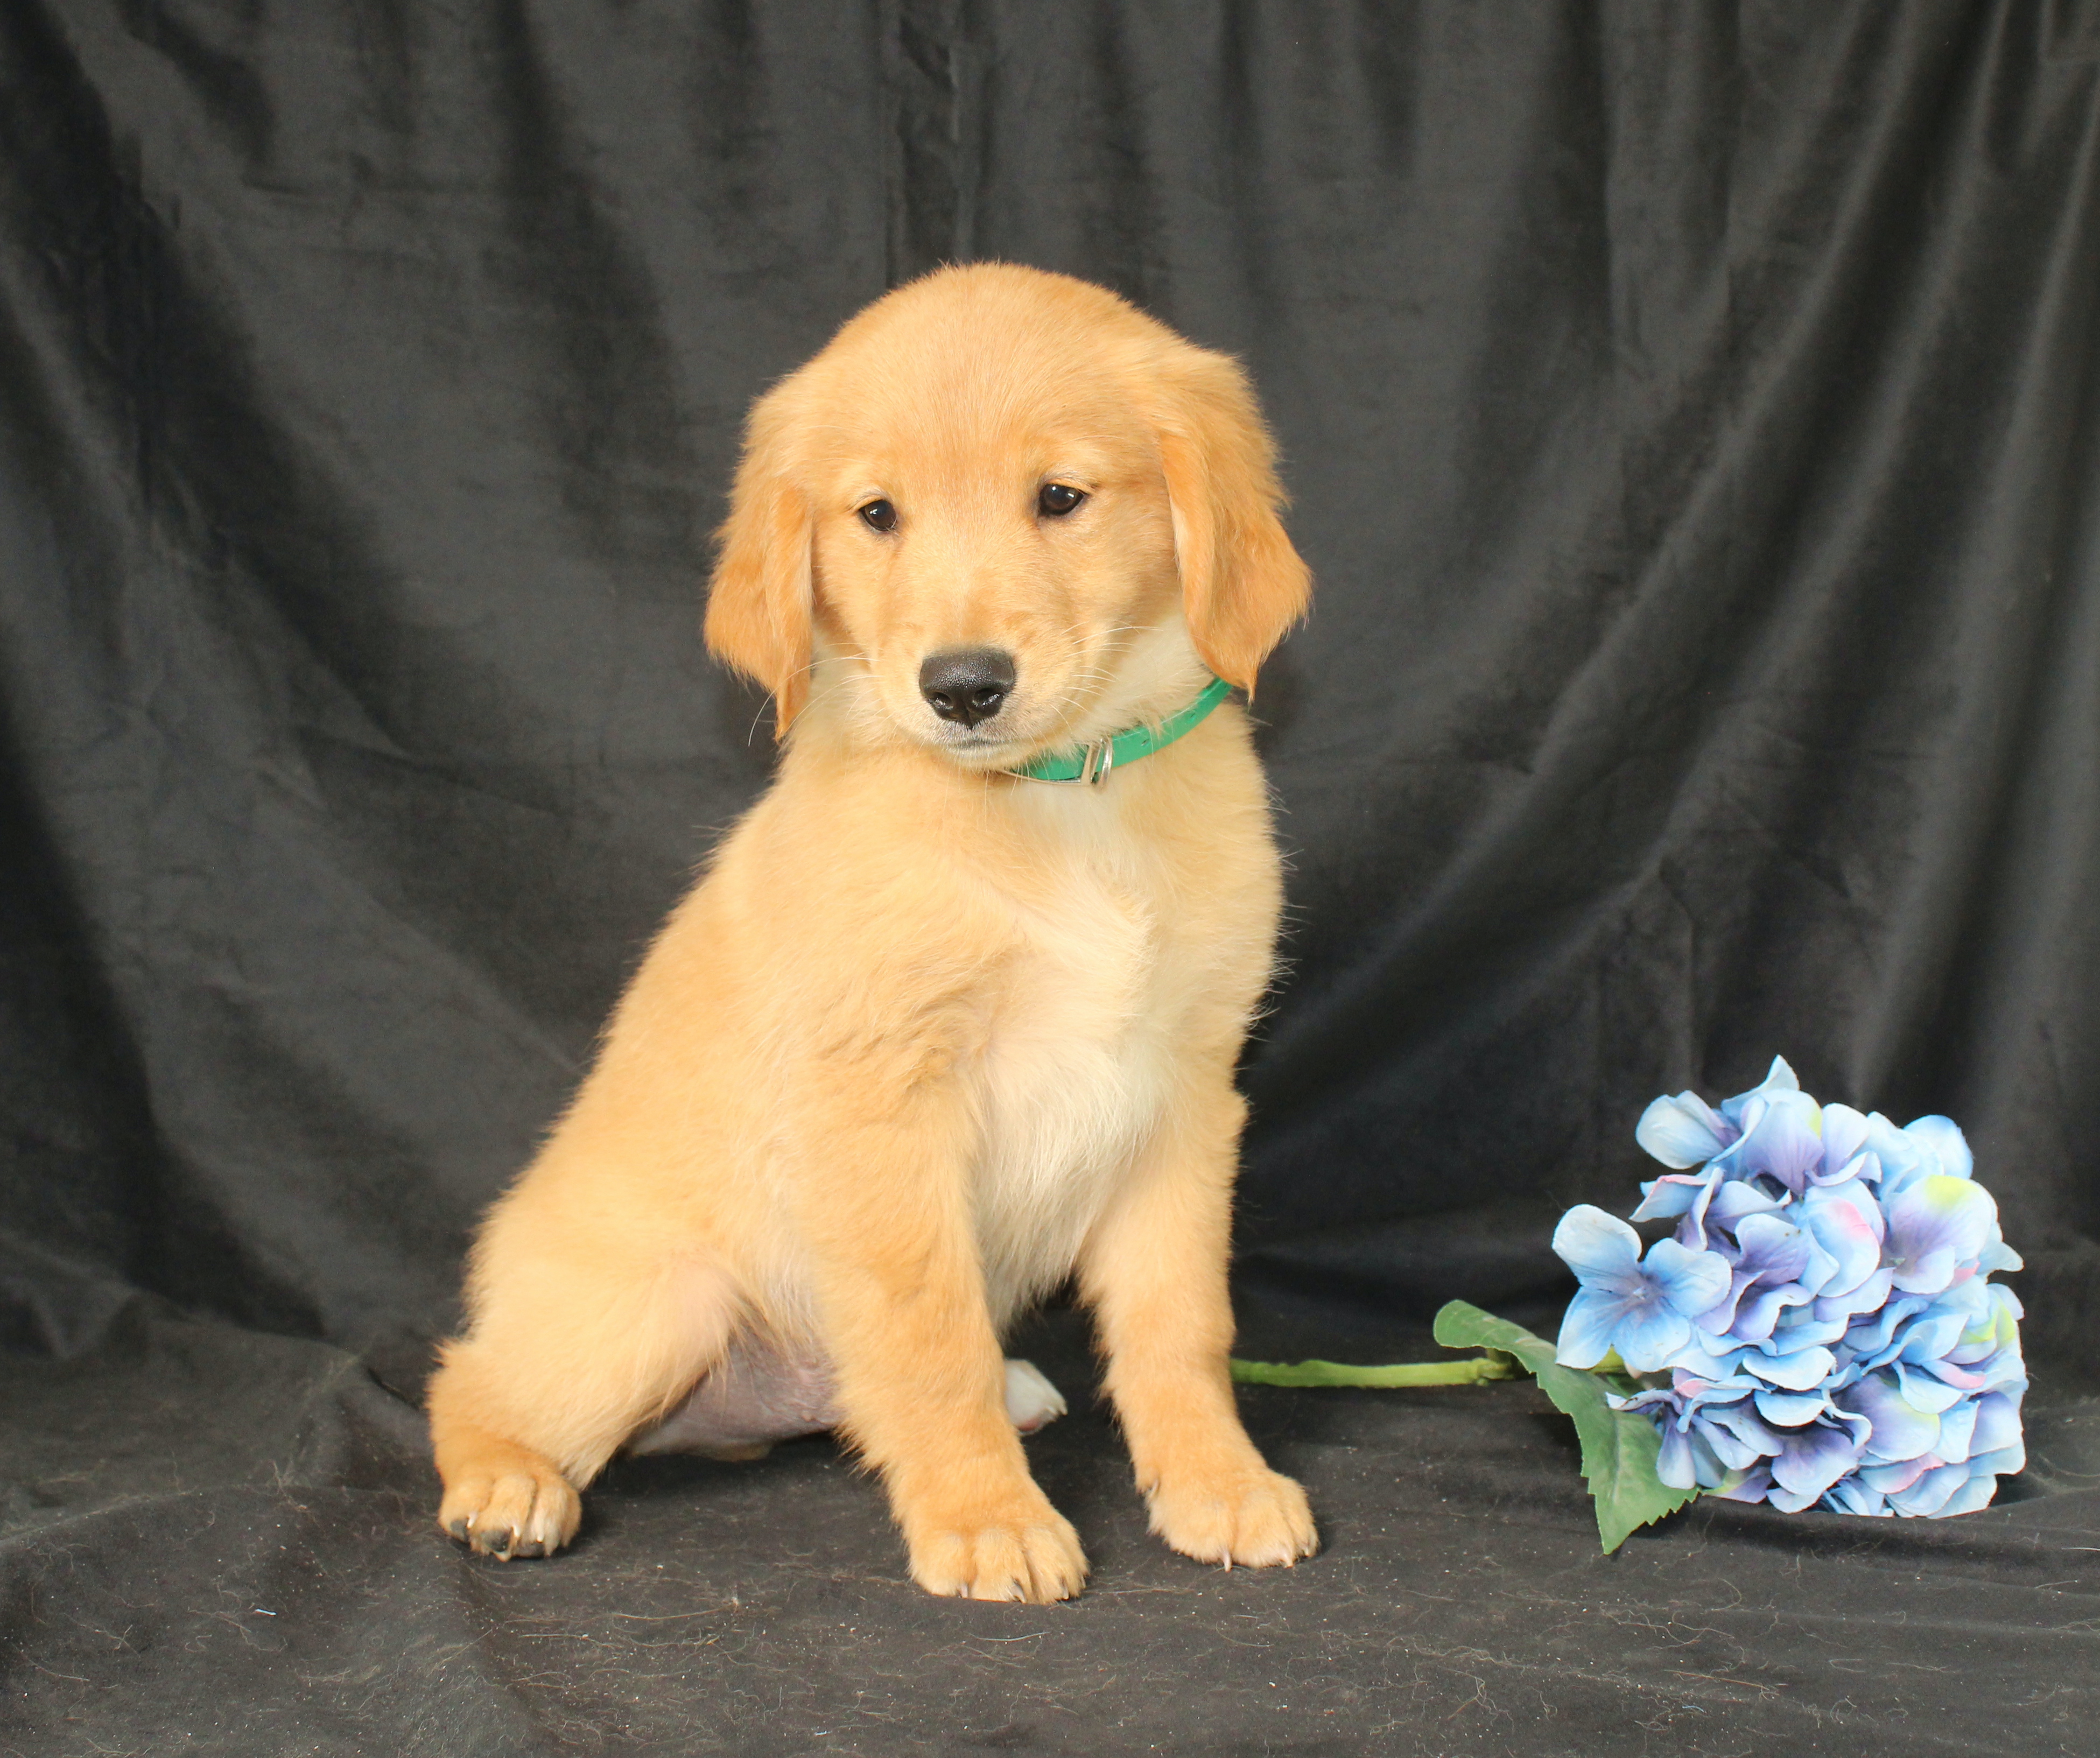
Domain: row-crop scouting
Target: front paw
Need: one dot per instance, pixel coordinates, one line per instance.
(511, 1507)
(1253, 1517)
(1021, 1549)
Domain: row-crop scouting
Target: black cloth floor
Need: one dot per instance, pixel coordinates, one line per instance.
(1693, 417)
(220, 1541)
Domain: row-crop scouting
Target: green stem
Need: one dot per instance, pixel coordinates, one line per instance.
(1481, 1368)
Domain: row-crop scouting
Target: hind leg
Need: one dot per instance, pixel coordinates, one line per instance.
(762, 1391)
(579, 1336)
(1032, 1402)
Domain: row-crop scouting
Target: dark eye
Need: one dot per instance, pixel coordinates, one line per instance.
(1057, 500)
(879, 516)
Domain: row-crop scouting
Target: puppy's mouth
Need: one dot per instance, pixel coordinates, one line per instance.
(977, 750)
(981, 747)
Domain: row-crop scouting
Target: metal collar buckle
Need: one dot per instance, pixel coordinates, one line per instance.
(1098, 760)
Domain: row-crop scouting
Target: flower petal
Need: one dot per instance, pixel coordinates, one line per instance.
(1974, 1494)
(1923, 1391)
(1900, 1429)
(1586, 1327)
(1939, 1330)
(1847, 1221)
(1845, 1134)
(1997, 1255)
(1786, 1141)
(1927, 1498)
(1673, 1463)
(1692, 1281)
(1771, 1248)
(1870, 1296)
(1937, 1226)
(1737, 1198)
(1901, 1158)
(1684, 1131)
(1599, 1247)
(1942, 1137)
(1750, 1436)
(1676, 1193)
(1815, 1457)
(1757, 1316)
(1701, 1362)
(1957, 1433)
(1893, 1479)
(1778, 1079)
(1789, 1409)
(1789, 1501)
(1874, 1336)
(1948, 1373)
(1748, 1486)
(1796, 1371)
(1648, 1335)
(1800, 1329)
(2007, 1461)
(1718, 1319)
(1850, 1496)
(1997, 1424)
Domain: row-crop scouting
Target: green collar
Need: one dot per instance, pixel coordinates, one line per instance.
(1093, 762)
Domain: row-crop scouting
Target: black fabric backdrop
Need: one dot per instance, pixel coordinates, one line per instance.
(1692, 413)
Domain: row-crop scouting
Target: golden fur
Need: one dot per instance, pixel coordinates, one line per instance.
(926, 1040)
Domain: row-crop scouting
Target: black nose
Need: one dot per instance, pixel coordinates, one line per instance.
(969, 685)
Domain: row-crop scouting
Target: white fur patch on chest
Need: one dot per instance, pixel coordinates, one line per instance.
(1074, 1080)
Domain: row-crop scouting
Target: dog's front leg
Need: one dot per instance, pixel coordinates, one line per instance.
(900, 1292)
(1154, 1271)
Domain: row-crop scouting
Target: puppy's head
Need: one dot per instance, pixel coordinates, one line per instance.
(1003, 510)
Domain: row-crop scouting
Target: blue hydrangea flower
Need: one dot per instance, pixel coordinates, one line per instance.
(1821, 1328)
(1644, 1311)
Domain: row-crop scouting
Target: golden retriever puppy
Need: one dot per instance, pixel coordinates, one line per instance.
(931, 1037)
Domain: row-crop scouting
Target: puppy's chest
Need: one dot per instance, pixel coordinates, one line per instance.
(1076, 1070)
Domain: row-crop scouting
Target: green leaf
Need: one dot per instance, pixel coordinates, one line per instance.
(1461, 1325)
(1619, 1447)
(1491, 1367)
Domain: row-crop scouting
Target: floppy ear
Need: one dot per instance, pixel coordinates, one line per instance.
(758, 607)
(1243, 585)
